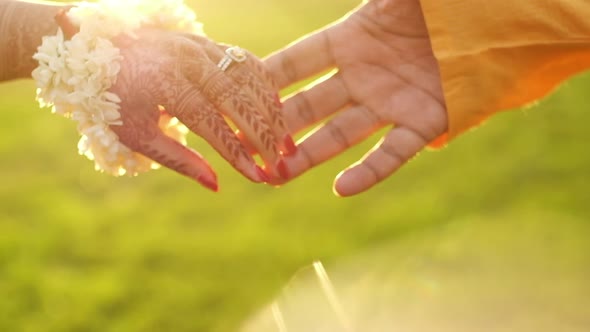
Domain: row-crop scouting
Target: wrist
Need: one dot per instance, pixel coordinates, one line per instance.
(398, 17)
(22, 27)
(79, 65)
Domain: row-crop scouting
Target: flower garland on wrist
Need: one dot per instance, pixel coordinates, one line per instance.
(74, 76)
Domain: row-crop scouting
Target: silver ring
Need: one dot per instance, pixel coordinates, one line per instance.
(232, 54)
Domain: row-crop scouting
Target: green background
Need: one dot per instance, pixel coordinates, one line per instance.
(82, 251)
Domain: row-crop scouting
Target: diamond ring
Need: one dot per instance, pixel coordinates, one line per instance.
(232, 54)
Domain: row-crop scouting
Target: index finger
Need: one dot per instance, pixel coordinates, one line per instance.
(302, 59)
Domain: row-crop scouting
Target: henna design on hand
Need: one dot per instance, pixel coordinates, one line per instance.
(169, 71)
(253, 77)
(238, 103)
(155, 76)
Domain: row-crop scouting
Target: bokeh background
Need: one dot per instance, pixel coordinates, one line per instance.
(82, 251)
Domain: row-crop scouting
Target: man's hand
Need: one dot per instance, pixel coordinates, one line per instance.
(386, 76)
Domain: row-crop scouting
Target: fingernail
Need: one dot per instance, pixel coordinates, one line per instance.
(290, 146)
(208, 183)
(264, 177)
(282, 168)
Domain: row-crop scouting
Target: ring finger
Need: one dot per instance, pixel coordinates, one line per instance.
(235, 103)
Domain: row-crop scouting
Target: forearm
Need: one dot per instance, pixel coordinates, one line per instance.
(500, 55)
(22, 26)
(477, 25)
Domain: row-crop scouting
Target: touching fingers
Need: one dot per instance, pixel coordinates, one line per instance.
(244, 112)
(269, 93)
(252, 78)
(201, 117)
(236, 103)
(336, 136)
(302, 59)
(397, 148)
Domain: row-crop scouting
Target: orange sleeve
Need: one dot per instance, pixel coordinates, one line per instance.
(499, 54)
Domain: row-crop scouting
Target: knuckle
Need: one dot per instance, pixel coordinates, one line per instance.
(337, 134)
(288, 67)
(373, 171)
(303, 107)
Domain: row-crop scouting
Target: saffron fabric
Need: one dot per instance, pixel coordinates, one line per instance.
(496, 55)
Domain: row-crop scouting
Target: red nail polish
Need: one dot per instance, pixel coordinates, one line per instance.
(262, 174)
(290, 146)
(282, 168)
(208, 183)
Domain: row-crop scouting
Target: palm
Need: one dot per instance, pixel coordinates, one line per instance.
(386, 75)
(382, 69)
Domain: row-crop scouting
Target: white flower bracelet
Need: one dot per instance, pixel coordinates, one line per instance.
(74, 76)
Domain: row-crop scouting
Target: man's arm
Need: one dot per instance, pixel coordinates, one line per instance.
(500, 55)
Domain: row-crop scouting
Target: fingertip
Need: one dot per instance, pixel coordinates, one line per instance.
(337, 186)
(335, 191)
(282, 168)
(172, 154)
(209, 183)
(289, 145)
(347, 184)
(262, 175)
(206, 176)
(275, 180)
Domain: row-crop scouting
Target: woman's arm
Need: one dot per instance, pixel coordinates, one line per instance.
(128, 94)
(22, 26)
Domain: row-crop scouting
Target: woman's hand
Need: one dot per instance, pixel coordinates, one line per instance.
(173, 74)
(386, 76)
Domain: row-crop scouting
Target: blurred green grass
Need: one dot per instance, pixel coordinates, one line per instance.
(81, 251)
